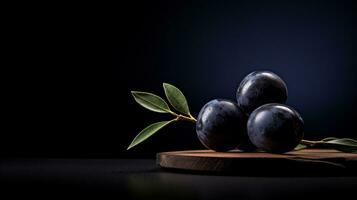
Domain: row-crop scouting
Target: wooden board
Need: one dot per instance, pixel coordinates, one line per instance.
(304, 162)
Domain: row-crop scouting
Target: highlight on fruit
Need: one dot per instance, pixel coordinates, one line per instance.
(258, 120)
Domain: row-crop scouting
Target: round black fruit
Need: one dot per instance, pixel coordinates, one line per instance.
(220, 125)
(275, 128)
(259, 88)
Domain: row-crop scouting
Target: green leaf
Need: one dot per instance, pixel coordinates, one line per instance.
(328, 139)
(300, 147)
(176, 98)
(147, 132)
(151, 101)
(343, 144)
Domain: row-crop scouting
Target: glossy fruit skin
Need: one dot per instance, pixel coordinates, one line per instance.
(220, 125)
(275, 128)
(259, 88)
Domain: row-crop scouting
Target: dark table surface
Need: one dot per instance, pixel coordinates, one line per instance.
(143, 179)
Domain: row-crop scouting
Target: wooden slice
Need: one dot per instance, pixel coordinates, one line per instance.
(303, 162)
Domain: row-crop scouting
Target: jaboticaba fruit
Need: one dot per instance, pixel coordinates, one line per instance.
(221, 125)
(275, 128)
(259, 88)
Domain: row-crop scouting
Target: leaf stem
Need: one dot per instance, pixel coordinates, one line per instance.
(310, 143)
(183, 117)
(192, 117)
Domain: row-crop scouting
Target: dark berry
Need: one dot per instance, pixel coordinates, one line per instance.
(259, 88)
(221, 125)
(275, 128)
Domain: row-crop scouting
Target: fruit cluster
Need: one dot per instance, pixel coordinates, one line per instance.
(258, 120)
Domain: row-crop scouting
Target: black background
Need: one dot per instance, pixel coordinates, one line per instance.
(69, 69)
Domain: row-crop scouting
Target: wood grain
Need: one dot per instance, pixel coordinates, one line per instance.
(304, 162)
